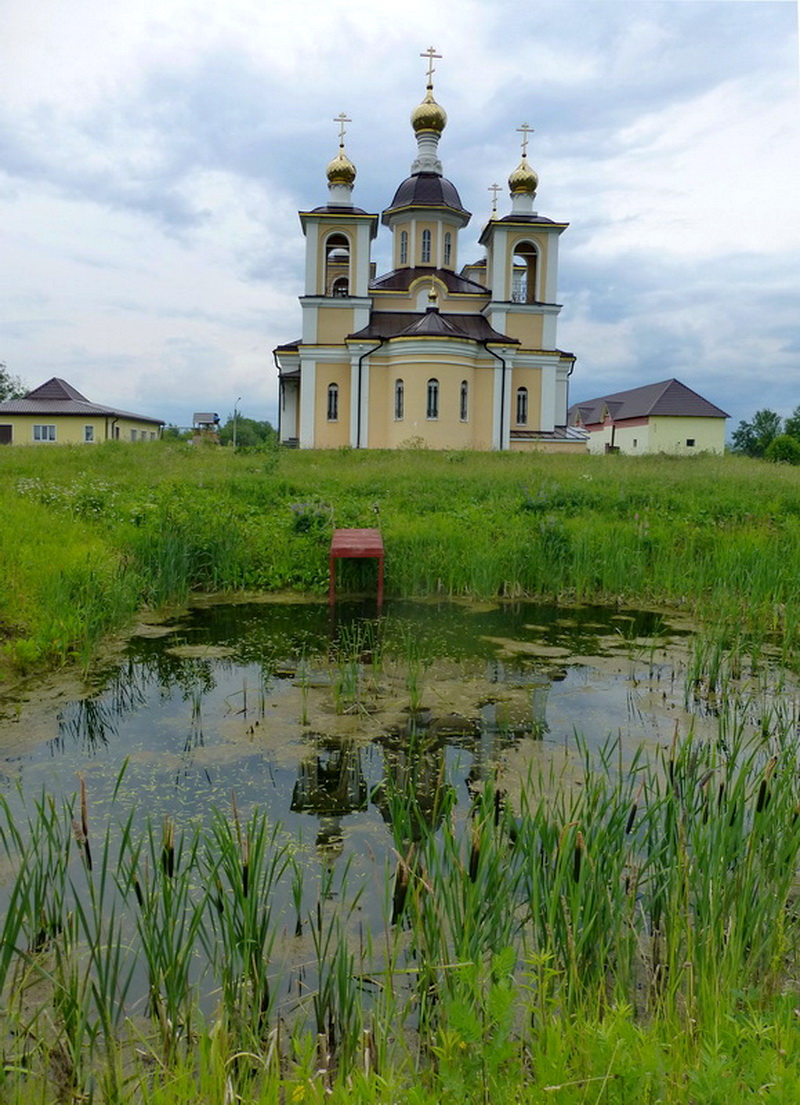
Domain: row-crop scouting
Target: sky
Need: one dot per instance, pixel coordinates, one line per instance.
(154, 156)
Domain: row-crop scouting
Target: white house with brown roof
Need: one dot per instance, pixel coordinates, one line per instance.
(666, 417)
(57, 413)
(430, 353)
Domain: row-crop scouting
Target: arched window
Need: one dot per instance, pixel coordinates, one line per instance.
(337, 265)
(522, 406)
(403, 247)
(333, 402)
(464, 404)
(399, 400)
(426, 247)
(523, 279)
(448, 245)
(433, 399)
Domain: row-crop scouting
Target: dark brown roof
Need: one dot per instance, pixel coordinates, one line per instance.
(57, 397)
(338, 209)
(400, 280)
(667, 398)
(431, 323)
(426, 190)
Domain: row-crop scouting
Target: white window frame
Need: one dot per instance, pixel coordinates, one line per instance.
(399, 400)
(44, 431)
(433, 400)
(333, 402)
(425, 255)
(88, 435)
(522, 406)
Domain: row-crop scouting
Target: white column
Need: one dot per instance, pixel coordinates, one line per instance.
(312, 257)
(308, 396)
(549, 399)
(354, 402)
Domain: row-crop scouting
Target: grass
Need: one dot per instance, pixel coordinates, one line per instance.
(92, 535)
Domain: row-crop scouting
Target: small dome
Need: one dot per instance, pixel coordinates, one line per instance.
(523, 181)
(341, 170)
(428, 115)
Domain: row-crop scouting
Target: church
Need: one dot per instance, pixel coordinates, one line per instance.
(430, 354)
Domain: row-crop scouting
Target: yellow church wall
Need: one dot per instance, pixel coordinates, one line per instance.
(334, 324)
(530, 378)
(526, 328)
(71, 429)
(421, 228)
(445, 432)
(330, 435)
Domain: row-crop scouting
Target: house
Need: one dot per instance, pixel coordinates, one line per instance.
(427, 354)
(57, 412)
(667, 417)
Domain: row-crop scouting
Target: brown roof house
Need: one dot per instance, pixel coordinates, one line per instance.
(666, 417)
(56, 413)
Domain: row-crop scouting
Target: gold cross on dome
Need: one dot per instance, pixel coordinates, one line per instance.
(525, 130)
(341, 119)
(495, 189)
(430, 54)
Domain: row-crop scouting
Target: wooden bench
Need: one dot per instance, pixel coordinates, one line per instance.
(356, 544)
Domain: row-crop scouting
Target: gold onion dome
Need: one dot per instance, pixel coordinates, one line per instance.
(523, 181)
(341, 170)
(428, 115)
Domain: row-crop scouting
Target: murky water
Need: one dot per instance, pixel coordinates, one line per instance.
(289, 707)
(315, 715)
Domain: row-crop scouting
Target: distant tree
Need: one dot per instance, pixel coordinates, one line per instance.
(792, 424)
(11, 387)
(175, 433)
(783, 449)
(249, 432)
(753, 438)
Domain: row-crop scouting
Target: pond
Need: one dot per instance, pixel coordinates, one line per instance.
(304, 712)
(318, 719)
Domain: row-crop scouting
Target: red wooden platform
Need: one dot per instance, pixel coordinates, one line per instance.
(358, 544)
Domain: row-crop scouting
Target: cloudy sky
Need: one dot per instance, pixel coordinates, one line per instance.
(154, 155)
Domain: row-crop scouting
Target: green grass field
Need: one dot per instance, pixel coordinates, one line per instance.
(91, 535)
(633, 940)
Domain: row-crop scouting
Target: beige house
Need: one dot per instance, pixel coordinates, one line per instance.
(56, 413)
(429, 354)
(666, 417)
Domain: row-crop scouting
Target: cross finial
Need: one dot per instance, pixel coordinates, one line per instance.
(495, 189)
(430, 54)
(525, 130)
(341, 119)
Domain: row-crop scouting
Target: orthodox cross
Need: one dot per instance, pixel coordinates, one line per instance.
(341, 119)
(495, 189)
(430, 54)
(525, 130)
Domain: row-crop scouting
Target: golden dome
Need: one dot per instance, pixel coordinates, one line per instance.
(341, 170)
(428, 115)
(523, 181)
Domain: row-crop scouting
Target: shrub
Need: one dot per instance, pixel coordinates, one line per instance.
(785, 449)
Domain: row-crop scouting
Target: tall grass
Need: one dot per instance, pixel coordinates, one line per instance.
(560, 942)
(92, 533)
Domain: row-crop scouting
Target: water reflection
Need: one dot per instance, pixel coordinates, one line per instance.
(325, 718)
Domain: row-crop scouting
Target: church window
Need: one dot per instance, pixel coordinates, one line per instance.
(333, 402)
(403, 247)
(522, 406)
(448, 244)
(524, 273)
(464, 405)
(433, 399)
(337, 265)
(399, 400)
(426, 247)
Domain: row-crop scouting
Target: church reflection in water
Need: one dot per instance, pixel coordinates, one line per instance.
(332, 782)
